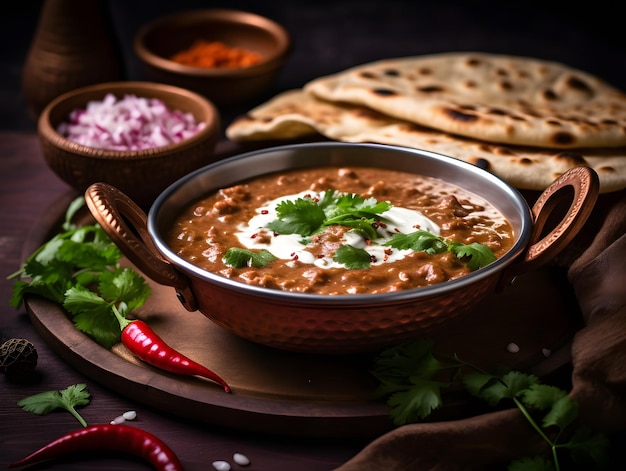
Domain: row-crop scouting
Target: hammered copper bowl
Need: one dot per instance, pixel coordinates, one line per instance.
(342, 324)
(158, 41)
(142, 174)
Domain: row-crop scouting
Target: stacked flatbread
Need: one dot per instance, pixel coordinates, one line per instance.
(524, 119)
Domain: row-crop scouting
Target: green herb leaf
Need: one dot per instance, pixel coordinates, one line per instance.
(416, 403)
(79, 269)
(240, 258)
(476, 255)
(405, 361)
(352, 257)
(589, 448)
(305, 216)
(126, 286)
(410, 375)
(407, 373)
(352, 210)
(418, 241)
(494, 389)
(92, 315)
(562, 413)
(68, 399)
(302, 216)
(70, 213)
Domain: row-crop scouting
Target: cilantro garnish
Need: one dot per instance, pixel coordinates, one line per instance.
(306, 216)
(302, 216)
(68, 399)
(476, 255)
(418, 241)
(239, 258)
(352, 257)
(412, 377)
(79, 268)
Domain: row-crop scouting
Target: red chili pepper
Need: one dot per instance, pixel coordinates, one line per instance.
(109, 437)
(141, 340)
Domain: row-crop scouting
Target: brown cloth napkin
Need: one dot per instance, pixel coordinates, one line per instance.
(596, 268)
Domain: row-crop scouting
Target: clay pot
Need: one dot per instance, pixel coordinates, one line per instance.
(73, 46)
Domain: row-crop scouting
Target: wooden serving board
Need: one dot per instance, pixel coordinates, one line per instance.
(285, 393)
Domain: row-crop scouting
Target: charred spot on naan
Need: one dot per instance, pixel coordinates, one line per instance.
(366, 114)
(430, 89)
(569, 159)
(506, 86)
(563, 138)
(392, 72)
(497, 111)
(497, 150)
(549, 95)
(579, 85)
(384, 92)
(460, 115)
(474, 61)
(606, 170)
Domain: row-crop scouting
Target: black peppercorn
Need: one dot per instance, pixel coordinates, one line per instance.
(18, 358)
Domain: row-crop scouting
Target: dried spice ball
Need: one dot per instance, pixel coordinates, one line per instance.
(18, 358)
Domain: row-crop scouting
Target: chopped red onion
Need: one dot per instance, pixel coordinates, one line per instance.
(131, 123)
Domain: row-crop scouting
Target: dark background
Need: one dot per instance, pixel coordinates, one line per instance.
(330, 36)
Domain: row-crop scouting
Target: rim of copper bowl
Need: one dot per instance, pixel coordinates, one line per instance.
(520, 245)
(271, 62)
(73, 100)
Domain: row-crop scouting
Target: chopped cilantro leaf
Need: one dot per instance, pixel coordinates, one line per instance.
(418, 241)
(352, 257)
(302, 216)
(478, 255)
(239, 258)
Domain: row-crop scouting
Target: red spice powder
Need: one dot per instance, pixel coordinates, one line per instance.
(212, 54)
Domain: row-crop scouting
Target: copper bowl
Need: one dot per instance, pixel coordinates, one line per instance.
(142, 174)
(342, 324)
(158, 41)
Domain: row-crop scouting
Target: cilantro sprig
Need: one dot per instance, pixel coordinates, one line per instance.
(476, 255)
(412, 378)
(80, 269)
(307, 216)
(69, 399)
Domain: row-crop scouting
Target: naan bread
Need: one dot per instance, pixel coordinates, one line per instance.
(295, 114)
(495, 98)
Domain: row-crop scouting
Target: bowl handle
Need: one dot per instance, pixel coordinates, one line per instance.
(113, 210)
(544, 247)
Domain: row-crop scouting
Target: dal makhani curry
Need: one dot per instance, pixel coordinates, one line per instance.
(337, 231)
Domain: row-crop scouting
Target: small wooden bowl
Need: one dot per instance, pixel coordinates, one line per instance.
(158, 41)
(142, 173)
